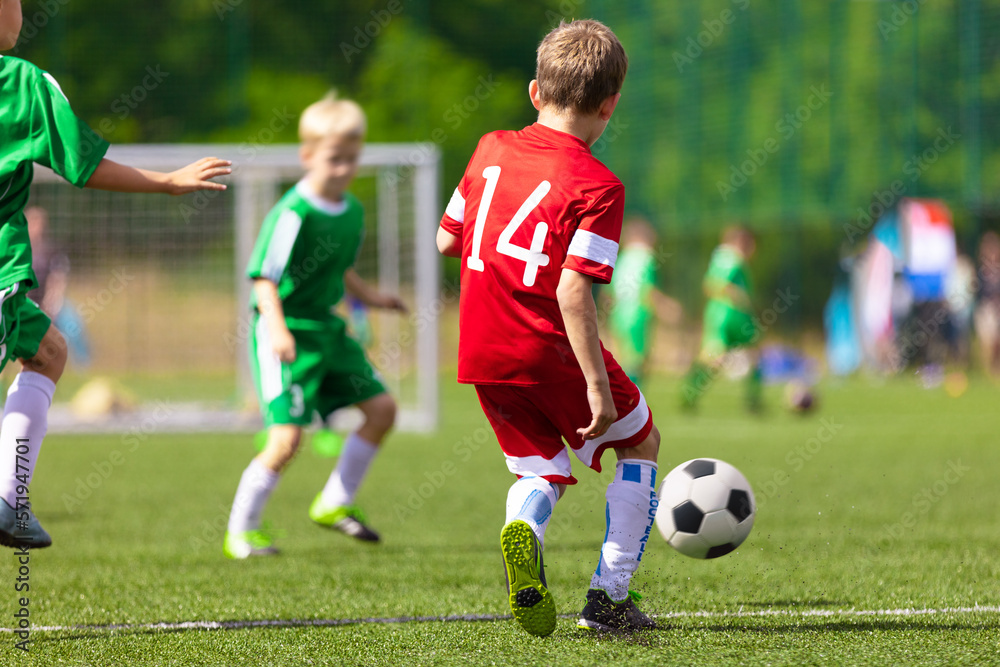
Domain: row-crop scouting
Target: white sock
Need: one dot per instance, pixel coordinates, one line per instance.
(630, 510)
(532, 499)
(350, 471)
(256, 485)
(25, 418)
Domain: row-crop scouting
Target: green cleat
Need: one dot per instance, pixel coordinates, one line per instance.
(21, 528)
(605, 615)
(250, 543)
(348, 519)
(530, 600)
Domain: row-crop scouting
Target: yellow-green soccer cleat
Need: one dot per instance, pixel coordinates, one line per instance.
(250, 543)
(348, 519)
(530, 600)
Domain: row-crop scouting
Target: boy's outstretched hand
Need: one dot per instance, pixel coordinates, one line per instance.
(198, 176)
(115, 177)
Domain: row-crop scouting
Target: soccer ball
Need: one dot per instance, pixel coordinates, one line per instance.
(799, 397)
(706, 508)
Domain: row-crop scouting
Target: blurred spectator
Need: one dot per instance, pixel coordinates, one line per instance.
(987, 313)
(51, 267)
(960, 287)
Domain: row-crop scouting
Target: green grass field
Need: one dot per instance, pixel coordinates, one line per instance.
(844, 526)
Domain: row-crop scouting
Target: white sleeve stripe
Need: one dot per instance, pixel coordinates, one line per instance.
(51, 79)
(456, 207)
(279, 249)
(593, 247)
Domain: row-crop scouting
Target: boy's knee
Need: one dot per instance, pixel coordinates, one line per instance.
(650, 447)
(50, 359)
(282, 444)
(382, 411)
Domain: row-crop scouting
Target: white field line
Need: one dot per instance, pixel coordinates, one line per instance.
(333, 622)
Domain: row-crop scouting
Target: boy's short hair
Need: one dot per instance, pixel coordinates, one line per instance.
(738, 234)
(580, 64)
(331, 117)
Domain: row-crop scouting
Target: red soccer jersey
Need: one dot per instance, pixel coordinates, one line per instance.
(530, 204)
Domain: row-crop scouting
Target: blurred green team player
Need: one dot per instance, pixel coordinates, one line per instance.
(303, 360)
(38, 125)
(637, 301)
(729, 318)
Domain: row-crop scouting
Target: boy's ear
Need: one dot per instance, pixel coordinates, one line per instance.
(534, 94)
(608, 106)
(305, 153)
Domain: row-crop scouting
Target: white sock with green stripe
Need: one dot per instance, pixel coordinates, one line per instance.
(256, 485)
(532, 499)
(352, 466)
(631, 506)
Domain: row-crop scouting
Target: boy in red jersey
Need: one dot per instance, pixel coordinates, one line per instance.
(536, 220)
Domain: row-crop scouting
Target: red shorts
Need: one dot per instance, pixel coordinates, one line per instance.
(531, 423)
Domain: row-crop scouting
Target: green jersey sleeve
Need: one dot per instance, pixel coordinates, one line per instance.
(61, 141)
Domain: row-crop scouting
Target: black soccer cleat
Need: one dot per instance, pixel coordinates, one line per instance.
(602, 614)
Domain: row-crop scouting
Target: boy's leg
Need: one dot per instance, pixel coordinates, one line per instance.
(334, 506)
(243, 536)
(25, 422)
(755, 382)
(534, 448)
(532, 499)
(629, 511)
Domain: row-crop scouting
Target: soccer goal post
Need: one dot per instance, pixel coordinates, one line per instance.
(155, 298)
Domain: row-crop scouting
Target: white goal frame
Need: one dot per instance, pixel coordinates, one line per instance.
(258, 173)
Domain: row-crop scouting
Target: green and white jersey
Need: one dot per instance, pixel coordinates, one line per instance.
(728, 266)
(635, 277)
(305, 245)
(36, 125)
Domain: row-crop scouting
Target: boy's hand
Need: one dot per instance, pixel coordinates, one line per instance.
(602, 407)
(198, 175)
(392, 302)
(283, 344)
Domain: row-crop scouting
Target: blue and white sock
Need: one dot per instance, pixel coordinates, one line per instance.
(532, 499)
(631, 506)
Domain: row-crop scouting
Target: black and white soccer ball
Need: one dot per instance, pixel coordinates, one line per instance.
(706, 508)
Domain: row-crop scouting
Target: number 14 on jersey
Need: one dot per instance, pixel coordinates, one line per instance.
(532, 256)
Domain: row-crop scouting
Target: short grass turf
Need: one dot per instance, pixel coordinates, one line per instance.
(883, 498)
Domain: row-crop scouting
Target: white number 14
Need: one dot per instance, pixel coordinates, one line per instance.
(533, 257)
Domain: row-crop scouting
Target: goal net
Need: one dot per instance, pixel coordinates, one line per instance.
(155, 297)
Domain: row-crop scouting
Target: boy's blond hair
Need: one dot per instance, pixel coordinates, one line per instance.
(580, 64)
(331, 117)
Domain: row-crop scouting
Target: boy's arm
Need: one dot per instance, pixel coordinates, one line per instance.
(269, 305)
(448, 244)
(117, 177)
(370, 296)
(580, 318)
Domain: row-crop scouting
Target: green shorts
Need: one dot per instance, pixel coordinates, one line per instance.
(633, 336)
(726, 328)
(22, 324)
(330, 371)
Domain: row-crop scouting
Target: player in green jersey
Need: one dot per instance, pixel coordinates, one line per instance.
(38, 125)
(729, 318)
(638, 303)
(304, 362)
